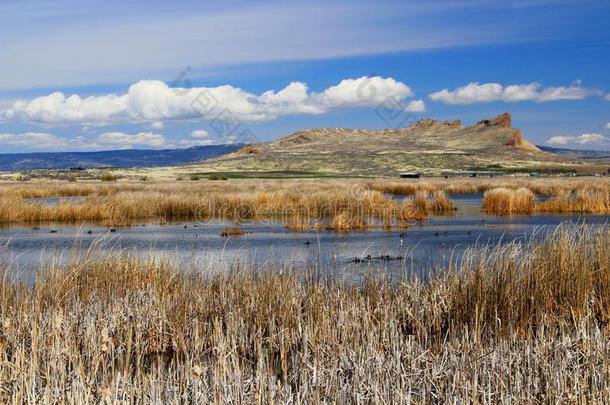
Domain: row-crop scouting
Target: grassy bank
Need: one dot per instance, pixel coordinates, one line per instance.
(508, 324)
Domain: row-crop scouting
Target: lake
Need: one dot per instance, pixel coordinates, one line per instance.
(353, 254)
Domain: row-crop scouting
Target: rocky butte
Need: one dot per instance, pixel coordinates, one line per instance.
(428, 145)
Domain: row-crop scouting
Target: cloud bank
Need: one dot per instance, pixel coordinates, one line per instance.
(492, 92)
(154, 101)
(104, 141)
(583, 139)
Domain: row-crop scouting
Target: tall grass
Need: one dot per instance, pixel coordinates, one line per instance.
(544, 186)
(299, 203)
(326, 205)
(512, 324)
(504, 201)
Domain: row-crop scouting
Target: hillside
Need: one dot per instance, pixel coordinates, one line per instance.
(579, 153)
(428, 146)
(114, 158)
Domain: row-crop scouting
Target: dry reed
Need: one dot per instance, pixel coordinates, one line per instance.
(298, 203)
(300, 206)
(510, 324)
(523, 201)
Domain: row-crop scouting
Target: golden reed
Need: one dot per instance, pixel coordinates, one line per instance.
(519, 323)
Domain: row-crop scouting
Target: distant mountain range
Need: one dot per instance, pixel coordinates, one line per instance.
(578, 154)
(112, 158)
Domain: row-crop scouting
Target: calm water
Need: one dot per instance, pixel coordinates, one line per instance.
(200, 245)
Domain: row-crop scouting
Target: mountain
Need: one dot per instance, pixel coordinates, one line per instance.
(578, 154)
(428, 146)
(114, 158)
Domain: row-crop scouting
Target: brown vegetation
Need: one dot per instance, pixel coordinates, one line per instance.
(512, 324)
(504, 201)
(543, 186)
(522, 201)
(231, 231)
(298, 204)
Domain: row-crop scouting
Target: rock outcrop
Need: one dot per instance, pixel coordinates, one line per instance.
(501, 121)
(427, 123)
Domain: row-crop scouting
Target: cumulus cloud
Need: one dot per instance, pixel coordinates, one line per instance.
(200, 133)
(490, 92)
(157, 125)
(153, 100)
(608, 125)
(583, 139)
(608, 96)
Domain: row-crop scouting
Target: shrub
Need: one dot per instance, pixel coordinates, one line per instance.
(108, 177)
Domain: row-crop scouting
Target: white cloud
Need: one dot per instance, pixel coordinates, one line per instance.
(186, 143)
(608, 126)
(153, 100)
(583, 139)
(157, 125)
(33, 140)
(560, 140)
(104, 141)
(608, 96)
(123, 140)
(200, 133)
(416, 106)
(490, 92)
(592, 138)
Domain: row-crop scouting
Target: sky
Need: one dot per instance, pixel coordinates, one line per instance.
(102, 75)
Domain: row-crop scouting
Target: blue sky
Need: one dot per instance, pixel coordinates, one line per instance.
(108, 75)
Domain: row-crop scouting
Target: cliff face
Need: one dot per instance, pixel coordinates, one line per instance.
(501, 121)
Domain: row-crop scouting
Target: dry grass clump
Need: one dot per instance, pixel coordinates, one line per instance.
(512, 324)
(232, 231)
(504, 201)
(585, 201)
(522, 201)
